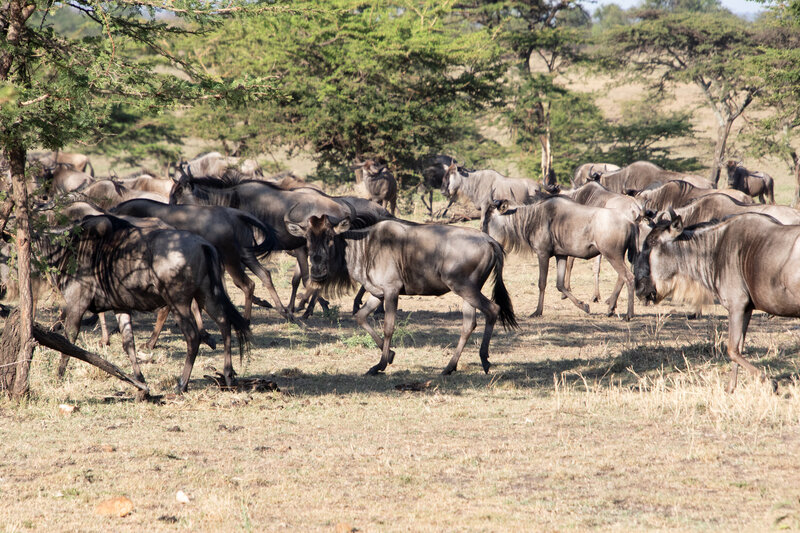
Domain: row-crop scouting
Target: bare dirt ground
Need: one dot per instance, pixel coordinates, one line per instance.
(585, 422)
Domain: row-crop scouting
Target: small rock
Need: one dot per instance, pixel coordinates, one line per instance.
(108, 448)
(182, 497)
(175, 429)
(119, 506)
(344, 527)
(66, 409)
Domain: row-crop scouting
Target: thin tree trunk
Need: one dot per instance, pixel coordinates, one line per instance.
(719, 151)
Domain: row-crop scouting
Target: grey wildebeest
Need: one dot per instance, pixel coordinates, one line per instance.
(718, 206)
(594, 194)
(392, 258)
(639, 175)
(678, 193)
(214, 165)
(110, 264)
(561, 227)
(379, 183)
(482, 187)
(584, 172)
(108, 193)
(63, 179)
(79, 162)
(239, 238)
(748, 262)
(752, 183)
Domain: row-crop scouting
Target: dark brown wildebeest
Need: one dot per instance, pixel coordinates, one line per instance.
(638, 176)
(433, 171)
(752, 183)
(482, 187)
(239, 238)
(79, 162)
(582, 173)
(719, 206)
(561, 227)
(594, 194)
(748, 262)
(379, 183)
(110, 264)
(678, 193)
(392, 258)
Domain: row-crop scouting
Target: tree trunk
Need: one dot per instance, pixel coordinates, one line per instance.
(719, 151)
(16, 160)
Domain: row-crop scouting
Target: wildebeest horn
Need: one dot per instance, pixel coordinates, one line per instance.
(672, 214)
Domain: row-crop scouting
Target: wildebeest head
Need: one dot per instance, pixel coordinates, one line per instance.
(319, 233)
(181, 192)
(492, 223)
(451, 180)
(653, 271)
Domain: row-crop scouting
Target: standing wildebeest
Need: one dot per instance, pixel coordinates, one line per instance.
(484, 186)
(584, 172)
(392, 258)
(231, 231)
(560, 227)
(79, 162)
(112, 265)
(379, 183)
(749, 262)
(214, 165)
(752, 183)
(594, 194)
(638, 176)
(678, 193)
(108, 193)
(719, 206)
(433, 171)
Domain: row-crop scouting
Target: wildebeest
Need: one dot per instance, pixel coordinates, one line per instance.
(110, 264)
(108, 193)
(484, 186)
(433, 171)
(718, 206)
(148, 183)
(639, 175)
(392, 258)
(214, 165)
(79, 162)
(561, 227)
(594, 194)
(63, 179)
(582, 173)
(379, 183)
(239, 238)
(748, 262)
(678, 193)
(752, 183)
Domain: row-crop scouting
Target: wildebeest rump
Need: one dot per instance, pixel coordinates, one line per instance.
(639, 175)
(718, 206)
(560, 227)
(749, 262)
(749, 182)
(112, 265)
(392, 258)
(678, 193)
(240, 239)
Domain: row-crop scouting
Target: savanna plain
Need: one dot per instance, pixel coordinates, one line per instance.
(585, 422)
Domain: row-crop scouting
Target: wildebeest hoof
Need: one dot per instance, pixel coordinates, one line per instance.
(585, 307)
(486, 365)
(563, 296)
(142, 395)
(536, 313)
(375, 370)
(626, 318)
(596, 299)
(448, 370)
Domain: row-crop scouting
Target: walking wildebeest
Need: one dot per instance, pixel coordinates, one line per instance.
(484, 186)
(379, 183)
(678, 193)
(231, 231)
(749, 262)
(561, 227)
(112, 265)
(752, 183)
(638, 176)
(392, 258)
(582, 173)
(718, 206)
(594, 194)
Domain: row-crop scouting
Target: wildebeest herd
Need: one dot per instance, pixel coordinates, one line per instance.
(147, 244)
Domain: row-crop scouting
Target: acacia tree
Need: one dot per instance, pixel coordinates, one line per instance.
(708, 50)
(59, 87)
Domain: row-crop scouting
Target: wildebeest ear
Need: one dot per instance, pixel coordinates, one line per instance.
(677, 224)
(342, 226)
(631, 192)
(295, 229)
(502, 206)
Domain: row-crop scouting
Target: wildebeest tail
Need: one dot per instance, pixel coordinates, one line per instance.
(234, 317)
(632, 249)
(259, 233)
(500, 295)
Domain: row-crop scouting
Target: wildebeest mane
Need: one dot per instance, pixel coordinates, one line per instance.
(338, 283)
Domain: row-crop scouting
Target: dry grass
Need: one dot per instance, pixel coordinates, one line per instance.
(586, 422)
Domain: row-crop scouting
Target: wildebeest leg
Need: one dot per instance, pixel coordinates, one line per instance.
(474, 299)
(361, 319)
(192, 336)
(300, 273)
(129, 345)
(104, 337)
(568, 275)
(243, 281)
(561, 266)
(738, 320)
(625, 277)
(266, 278)
(358, 298)
(387, 355)
(161, 318)
(72, 326)
(544, 263)
(205, 336)
(467, 327)
(596, 271)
